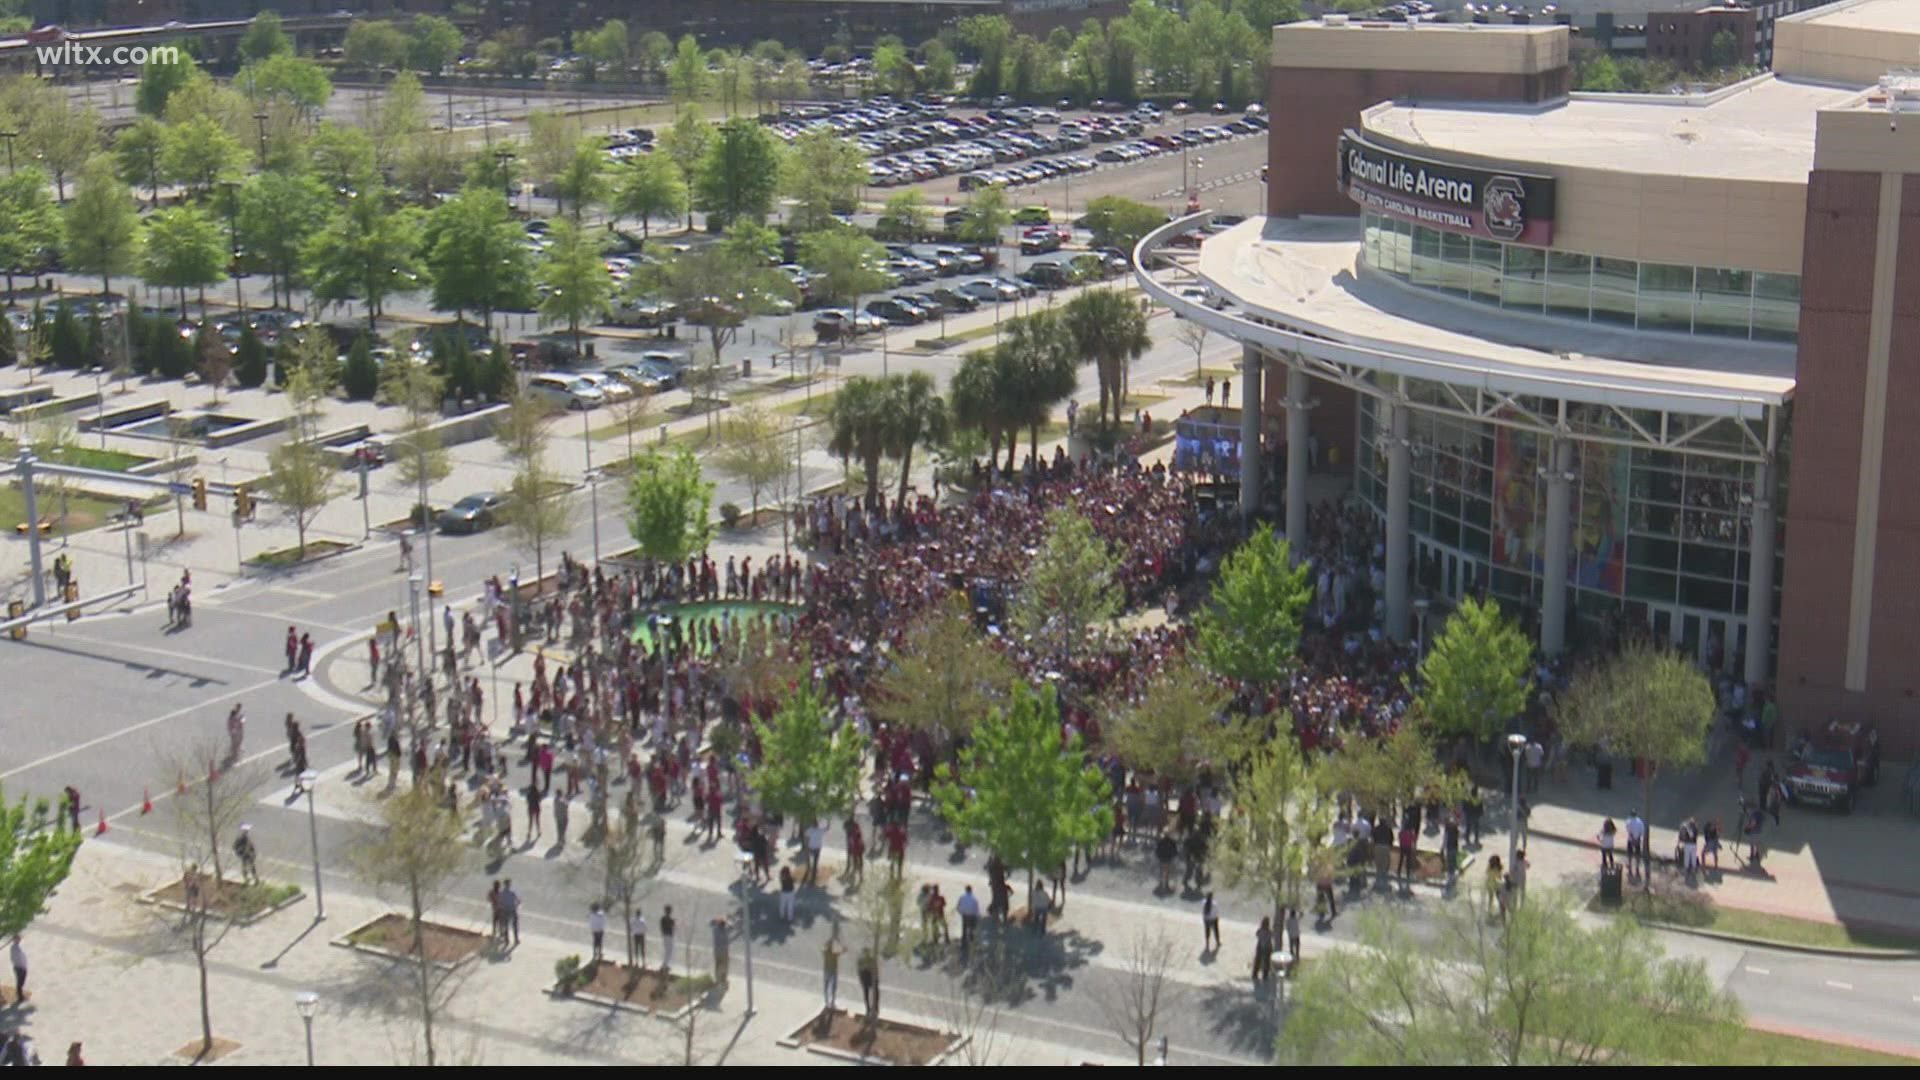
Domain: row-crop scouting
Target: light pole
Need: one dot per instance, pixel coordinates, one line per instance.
(100, 404)
(260, 122)
(9, 136)
(1516, 742)
(593, 494)
(232, 188)
(307, 780)
(419, 643)
(308, 1003)
(426, 533)
(746, 923)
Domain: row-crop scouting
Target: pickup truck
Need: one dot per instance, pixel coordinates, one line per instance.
(1830, 766)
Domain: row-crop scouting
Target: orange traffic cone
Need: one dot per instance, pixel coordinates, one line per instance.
(146, 801)
(101, 830)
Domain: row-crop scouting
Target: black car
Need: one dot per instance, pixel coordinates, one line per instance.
(475, 513)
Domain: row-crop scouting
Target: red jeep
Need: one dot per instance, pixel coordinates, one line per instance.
(1832, 765)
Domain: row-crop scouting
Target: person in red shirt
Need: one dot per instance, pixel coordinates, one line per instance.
(856, 852)
(897, 847)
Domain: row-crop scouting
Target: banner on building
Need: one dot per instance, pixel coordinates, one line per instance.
(1510, 207)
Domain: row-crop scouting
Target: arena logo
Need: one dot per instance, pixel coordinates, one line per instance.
(1504, 206)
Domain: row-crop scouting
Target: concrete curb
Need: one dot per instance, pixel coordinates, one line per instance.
(554, 992)
(1783, 946)
(254, 571)
(152, 898)
(345, 941)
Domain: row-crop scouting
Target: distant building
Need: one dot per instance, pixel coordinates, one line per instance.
(1686, 39)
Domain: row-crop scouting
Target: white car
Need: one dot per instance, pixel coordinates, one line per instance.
(613, 389)
(566, 391)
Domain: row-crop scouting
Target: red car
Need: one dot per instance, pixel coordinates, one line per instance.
(1832, 765)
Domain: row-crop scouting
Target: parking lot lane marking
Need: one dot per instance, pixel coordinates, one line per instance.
(1838, 985)
(1757, 970)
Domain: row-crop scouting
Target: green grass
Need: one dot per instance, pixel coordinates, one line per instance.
(1215, 373)
(83, 511)
(1143, 399)
(1701, 913)
(702, 614)
(293, 556)
(1748, 1046)
(264, 897)
(85, 457)
(816, 406)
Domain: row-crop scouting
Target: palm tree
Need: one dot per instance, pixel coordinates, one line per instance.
(915, 414)
(1110, 330)
(975, 389)
(858, 428)
(1039, 375)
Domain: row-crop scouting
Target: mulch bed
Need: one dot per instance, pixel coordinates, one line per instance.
(203, 1052)
(392, 934)
(885, 1040)
(644, 988)
(229, 899)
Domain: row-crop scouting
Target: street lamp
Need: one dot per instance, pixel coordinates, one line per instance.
(1516, 742)
(746, 922)
(419, 643)
(100, 404)
(232, 188)
(307, 781)
(260, 122)
(308, 1003)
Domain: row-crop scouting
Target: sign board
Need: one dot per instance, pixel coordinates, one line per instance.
(179, 487)
(1510, 207)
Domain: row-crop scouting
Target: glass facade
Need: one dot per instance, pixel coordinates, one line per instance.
(1660, 539)
(1704, 300)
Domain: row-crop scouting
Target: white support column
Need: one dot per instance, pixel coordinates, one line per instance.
(1399, 524)
(1250, 424)
(1760, 579)
(1298, 386)
(1553, 596)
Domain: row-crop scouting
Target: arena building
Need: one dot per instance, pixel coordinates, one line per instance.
(1607, 357)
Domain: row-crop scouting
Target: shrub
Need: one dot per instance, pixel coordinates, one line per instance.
(729, 514)
(569, 974)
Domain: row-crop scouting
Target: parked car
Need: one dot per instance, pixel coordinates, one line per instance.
(989, 290)
(1832, 765)
(612, 388)
(475, 513)
(566, 391)
(897, 311)
(665, 369)
(1039, 241)
(954, 300)
(1032, 215)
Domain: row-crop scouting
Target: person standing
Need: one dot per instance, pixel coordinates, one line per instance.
(816, 839)
(1164, 849)
(1522, 814)
(1450, 848)
(597, 926)
(18, 954)
(533, 813)
(830, 970)
(292, 650)
(969, 908)
(1636, 842)
(249, 856)
(868, 969)
(1209, 925)
(637, 930)
(1263, 950)
(510, 912)
(1517, 875)
(1042, 904)
(1293, 934)
(721, 953)
(937, 918)
(560, 803)
(1609, 832)
(306, 654)
(1536, 756)
(786, 893)
(666, 940)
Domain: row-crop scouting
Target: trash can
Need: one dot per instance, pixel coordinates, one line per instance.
(1605, 775)
(1610, 884)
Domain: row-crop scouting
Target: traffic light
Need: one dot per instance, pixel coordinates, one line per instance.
(243, 503)
(199, 493)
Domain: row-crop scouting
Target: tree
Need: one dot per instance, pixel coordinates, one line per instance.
(1070, 584)
(669, 506)
(649, 186)
(365, 252)
(399, 119)
(905, 216)
(250, 360)
(552, 139)
(845, 262)
(740, 173)
(1194, 336)
(167, 72)
(436, 43)
(1250, 628)
(1022, 794)
(35, 857)
(1278, 818)
(343, 159)
(1109, 328)
(687, 71)
(301, 479)
(360, 376)
(1647, 704)
(987, 217)
(1388, 771)
(198, 154)
(1544, 988)
(103, 224)
(212, 359)
(685, 144)
(29, 224)
(945, 677)
(302, 83)
(1037, 371)
(607, 47)
(1178, 725)
(184, 249)
(264, 38)
(417, 852)
(752, 451)
(1145, 989)
(622, 859)
(206, 819)
(431, 163)
(824, 175)
(374, 46)
(136, 153)
(1475, 675)
(475, 254)
(522, 428)
(62, 138)
(583, 182)
(417, 454)
(278, 212)
(720, 286)
(857, 424)
(916, 415)
(1119, 222)
(807, 770)
(575, 277)
(634, 413)
(538, 511)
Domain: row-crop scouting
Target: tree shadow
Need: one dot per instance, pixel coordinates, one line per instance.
(1248, 1023)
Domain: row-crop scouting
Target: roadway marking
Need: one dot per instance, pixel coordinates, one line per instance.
(130, 729)
(173, 654)
(1758, 970)
(1838, 985)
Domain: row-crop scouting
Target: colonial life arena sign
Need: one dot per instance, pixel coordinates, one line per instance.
(1511, 207)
